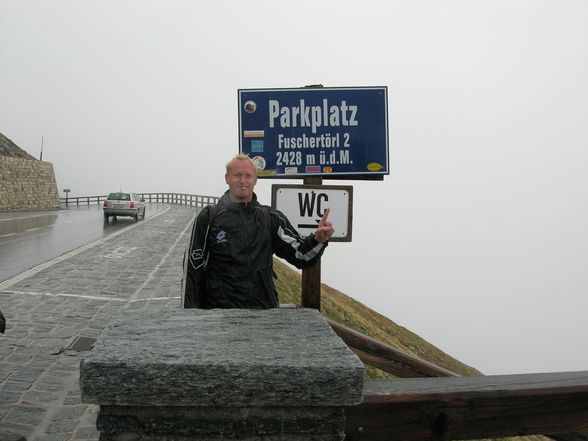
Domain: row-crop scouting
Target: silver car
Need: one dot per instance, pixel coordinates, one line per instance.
(124, 204)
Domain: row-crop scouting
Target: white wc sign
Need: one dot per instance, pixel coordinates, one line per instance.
(304, 205)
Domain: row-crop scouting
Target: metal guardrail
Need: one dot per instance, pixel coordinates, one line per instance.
(81, 200)
(192, 200)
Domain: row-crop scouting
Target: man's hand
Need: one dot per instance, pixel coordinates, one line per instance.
(325, 228)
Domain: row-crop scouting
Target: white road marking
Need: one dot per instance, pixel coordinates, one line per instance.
(81, 296)
(120, 252)
(9, 282)
(8, 219)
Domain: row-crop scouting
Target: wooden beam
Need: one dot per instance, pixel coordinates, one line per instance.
(580, 436)
(311, 287)
(462, 408)
(311, 277)
(385, 357)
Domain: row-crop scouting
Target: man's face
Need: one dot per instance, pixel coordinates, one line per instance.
(241, 180)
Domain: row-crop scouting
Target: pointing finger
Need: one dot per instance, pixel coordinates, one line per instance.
(325, 215)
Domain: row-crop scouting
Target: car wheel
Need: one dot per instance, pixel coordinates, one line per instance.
(136, 216)
(105, 216)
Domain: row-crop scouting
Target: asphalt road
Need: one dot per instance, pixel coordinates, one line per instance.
(29, 238)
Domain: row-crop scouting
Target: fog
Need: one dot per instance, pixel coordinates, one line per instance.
(476, 240)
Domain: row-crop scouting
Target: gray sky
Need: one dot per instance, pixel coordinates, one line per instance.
(477, 239)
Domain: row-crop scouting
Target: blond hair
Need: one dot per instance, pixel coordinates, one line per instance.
(239, 157)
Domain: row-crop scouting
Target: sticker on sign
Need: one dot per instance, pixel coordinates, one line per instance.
(305, 205)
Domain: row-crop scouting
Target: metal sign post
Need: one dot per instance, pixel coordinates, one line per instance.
(316, 133)
(66, 191)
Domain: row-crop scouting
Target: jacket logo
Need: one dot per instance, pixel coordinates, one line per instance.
(221, 237)
(196, 254)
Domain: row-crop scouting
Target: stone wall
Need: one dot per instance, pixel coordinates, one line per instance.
(27, 184)
(221, 374)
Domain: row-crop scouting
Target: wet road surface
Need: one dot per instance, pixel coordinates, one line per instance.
(74, 296)
(29, 238)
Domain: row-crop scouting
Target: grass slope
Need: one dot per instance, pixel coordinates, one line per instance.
(349, 312)
(343, 309)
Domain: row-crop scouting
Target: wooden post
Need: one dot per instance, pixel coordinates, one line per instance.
(311, 277)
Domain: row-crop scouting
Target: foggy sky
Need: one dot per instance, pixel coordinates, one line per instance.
(476, 240)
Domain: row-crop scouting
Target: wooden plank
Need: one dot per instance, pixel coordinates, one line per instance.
(386, 357)
(470, 407)
(580, 436)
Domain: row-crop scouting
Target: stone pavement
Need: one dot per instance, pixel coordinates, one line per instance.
(49, 308)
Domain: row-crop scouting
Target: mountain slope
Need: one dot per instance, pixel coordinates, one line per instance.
(343, 309)
(349, 312)
(9, 148)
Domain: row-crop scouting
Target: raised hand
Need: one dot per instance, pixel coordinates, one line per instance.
(325, 229)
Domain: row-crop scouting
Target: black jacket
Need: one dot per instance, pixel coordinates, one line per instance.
(228, 263)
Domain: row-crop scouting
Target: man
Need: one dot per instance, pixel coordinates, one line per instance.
(228, 263)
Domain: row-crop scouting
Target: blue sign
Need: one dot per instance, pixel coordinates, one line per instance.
(315, 131)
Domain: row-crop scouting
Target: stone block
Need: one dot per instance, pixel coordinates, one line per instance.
(221, 358)
(118, 423)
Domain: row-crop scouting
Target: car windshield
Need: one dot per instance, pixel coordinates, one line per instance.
(119, 196)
